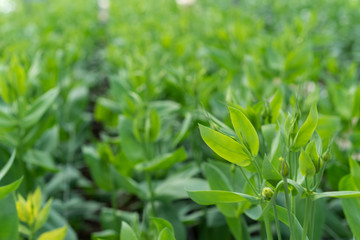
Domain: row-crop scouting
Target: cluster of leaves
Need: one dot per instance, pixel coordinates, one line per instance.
(267, 176)
(34, 216)
(101, 102)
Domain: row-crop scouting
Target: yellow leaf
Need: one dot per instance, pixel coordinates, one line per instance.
(29, 208)
(43, 215)
(21, 207)
(36, 201)
(57, 234)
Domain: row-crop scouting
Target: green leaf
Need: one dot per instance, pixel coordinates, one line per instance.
(8, 228)
(105, 112)
(108, 234)
(245, 130)
(356, 103)
(166, 234)
(184, 129)
(351, 206)
(57, 234)
(307, 129)
(41, 159)
(236, 226)
(5, 190)
(7, 166)
(327, 126)
(19, 76)
(209, 197)
(170, 212)
(132, 149)
(49, 140)
(355, 172)
(6, 120)
(110, 219)
(307, 167)
(174, 187)
(269, 133)
(337, 194)
(218, 181)
(298, 189)
(100, 171)
(39, 107)
(223, 58)
(161, 224)
(252, 72)
(163, 162)
(283, 216)
(275, 105)
(235, 180)
(128, 184)
(126, 232)
(225, 147)
(24, 230)
(312, 153)
(270, 174)
(152, 126)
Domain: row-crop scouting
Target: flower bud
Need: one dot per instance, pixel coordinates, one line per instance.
(311, 151)
(284, 167)
(306, 165)
(267, 193)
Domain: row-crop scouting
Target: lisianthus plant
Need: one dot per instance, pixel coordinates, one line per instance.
(275, 167)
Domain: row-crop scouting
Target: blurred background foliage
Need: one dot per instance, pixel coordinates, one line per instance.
(101, 100)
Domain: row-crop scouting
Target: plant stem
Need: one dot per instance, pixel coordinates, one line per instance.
(262, 232)
(296, 165)
(148, 178)
(32, 232)
(248, 181)
(306, 184)
(321, 174)
(306, 219)
(268, 227)
(259, 173)
(312, 219)
(152, 195)
(293, 206)
(277, 222)
(288, 207)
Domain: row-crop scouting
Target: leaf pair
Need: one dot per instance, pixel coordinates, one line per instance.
(307, 129)
(309, 160)
(239, 153)
(165, 229)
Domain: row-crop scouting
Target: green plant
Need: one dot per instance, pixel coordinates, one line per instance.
(102, 107)
(160, 230)
(298, 175)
